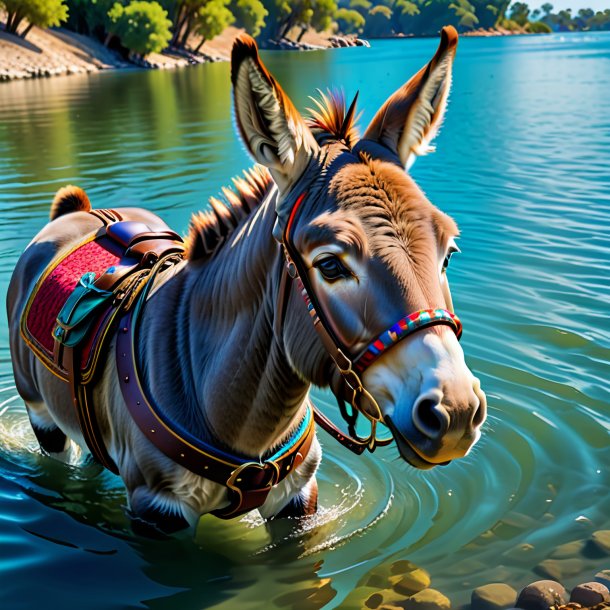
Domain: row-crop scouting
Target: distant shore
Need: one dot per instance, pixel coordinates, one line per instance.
(56, 52)
(60, 52)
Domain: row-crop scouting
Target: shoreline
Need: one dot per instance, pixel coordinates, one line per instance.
(57, 52)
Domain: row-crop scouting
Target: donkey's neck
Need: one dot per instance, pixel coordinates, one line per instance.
(210, 357)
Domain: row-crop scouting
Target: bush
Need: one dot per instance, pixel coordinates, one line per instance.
(143, 27)
(43, 13)
(537, 27)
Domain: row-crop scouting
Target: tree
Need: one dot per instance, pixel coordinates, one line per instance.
(142, 26)
(546, 8)
(349, 21)
(519, 12)
(324, 11)
(538, 27)
(250, 15)
(89, 16)
(402, 13)
(212, 19)
(378, 22)
(362, 6)
(43, 13)
(465, 12)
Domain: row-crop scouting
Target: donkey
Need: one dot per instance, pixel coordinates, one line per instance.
(219, 357)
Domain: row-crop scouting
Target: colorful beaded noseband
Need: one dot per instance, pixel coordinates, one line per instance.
(403, 328)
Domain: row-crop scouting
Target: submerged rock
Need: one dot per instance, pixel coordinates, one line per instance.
(541, 595)
(590, 594)
(568, 550)
(495, 596)
(411, 582)
(428, 599)
(603, 577)
(560, 568)
(601, 540)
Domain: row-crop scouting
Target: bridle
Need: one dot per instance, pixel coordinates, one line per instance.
(351, 367)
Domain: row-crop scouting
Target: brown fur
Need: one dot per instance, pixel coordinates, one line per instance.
(69, 199)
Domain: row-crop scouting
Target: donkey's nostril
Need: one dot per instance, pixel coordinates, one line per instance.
(430, 417)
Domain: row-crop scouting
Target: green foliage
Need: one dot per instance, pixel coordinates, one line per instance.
(510, 25)
(212, 18)
(349, 21)
(488, 11)
(89, 16)
(546, 8)
(142, 26)
(519, 12)
(465, 13)
(43, 13)
(249, 14)
(378, 22)
(323, 12)
(362, 6)
(537, 27)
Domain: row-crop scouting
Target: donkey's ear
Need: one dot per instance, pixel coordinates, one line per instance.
(274, 132)
(411, 117)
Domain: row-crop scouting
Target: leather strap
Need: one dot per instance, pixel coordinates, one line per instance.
(249, 482)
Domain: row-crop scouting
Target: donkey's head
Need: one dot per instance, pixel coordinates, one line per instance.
(371, 247)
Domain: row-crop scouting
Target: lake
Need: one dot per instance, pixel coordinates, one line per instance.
(523, 165)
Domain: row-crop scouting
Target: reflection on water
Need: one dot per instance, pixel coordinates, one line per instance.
(523, 165)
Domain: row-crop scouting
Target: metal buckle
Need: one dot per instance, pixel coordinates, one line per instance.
(235, 478)
(235, 475)
(354, 383)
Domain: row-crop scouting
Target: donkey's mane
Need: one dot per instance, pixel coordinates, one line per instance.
(209, 229)
(331, 120)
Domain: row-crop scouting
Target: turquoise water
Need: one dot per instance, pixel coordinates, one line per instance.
(523, 165)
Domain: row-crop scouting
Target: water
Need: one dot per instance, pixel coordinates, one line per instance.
(523, 165)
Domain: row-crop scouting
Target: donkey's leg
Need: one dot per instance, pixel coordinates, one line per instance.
(158, 514)
(51, 439)
(303, 504)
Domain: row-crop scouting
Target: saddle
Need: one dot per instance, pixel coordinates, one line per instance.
(76, 304)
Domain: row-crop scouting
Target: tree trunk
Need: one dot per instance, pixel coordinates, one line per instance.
(108, 38)
(302, 33)
(17, 19)
(200, 45)
(187, 33)
(184, 16)
(26, 31)
(177, 23)
(284, 28)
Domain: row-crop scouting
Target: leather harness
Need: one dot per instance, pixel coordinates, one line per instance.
(115, 301)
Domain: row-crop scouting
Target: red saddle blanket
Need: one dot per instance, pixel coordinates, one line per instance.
(53, 289)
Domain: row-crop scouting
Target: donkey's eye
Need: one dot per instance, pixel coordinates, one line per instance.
(450, 253)
(332, 268)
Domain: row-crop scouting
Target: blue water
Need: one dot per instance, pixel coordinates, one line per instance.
(523, 165)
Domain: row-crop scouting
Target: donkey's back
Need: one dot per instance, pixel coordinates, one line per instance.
(47, 398)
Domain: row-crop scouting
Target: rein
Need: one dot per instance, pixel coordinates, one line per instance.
(350, 367)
